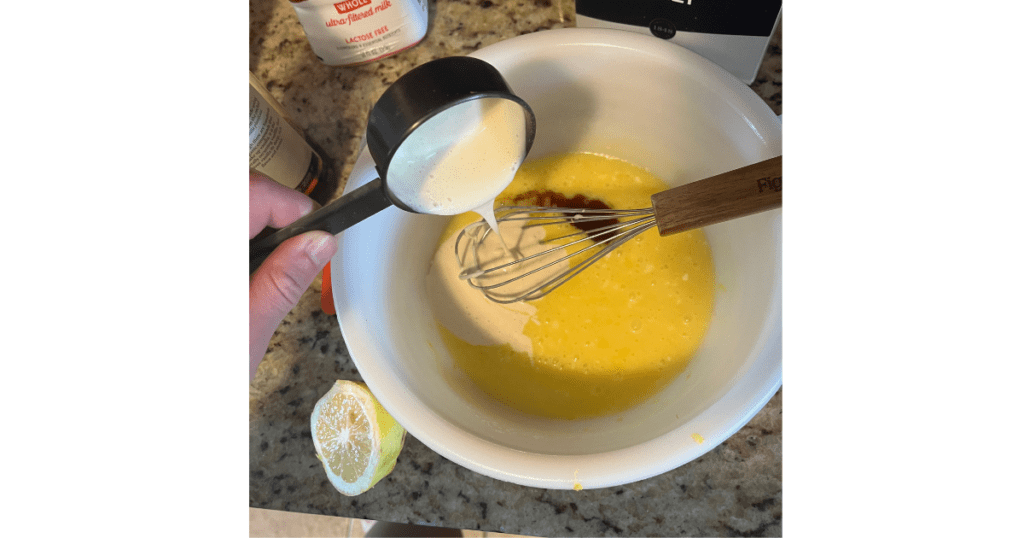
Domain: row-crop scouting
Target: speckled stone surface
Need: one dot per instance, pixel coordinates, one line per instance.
(734, 490)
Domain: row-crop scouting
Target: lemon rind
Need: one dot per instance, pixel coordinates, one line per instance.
(387, 439)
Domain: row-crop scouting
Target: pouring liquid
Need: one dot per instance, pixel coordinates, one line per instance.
(461, 159)
(486, 211)
(611, 337)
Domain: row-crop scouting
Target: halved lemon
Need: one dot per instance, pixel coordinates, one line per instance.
(355, 438)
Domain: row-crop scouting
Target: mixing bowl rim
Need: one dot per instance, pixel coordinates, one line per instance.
(553, 471)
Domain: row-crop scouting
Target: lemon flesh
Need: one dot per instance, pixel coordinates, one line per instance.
(355, 438)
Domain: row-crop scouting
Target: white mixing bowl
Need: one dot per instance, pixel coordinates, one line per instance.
(629, 96)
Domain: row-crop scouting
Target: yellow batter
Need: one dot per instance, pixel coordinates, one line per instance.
(616, 333)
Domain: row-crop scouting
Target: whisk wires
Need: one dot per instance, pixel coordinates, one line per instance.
(531, 276)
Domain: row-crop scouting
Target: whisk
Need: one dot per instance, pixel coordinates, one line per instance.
(738, 193)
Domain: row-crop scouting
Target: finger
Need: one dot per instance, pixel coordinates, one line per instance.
(278, 284)
(273, 204)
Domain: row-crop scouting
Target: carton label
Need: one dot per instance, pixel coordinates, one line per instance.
(358, 31)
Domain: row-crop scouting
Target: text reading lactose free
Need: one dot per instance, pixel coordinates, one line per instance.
(347, 8)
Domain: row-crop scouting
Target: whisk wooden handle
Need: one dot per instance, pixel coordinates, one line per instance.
(741, 192)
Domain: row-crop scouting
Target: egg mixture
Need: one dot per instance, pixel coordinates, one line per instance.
(609, 338)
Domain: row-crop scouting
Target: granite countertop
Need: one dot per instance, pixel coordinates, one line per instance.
(735, 489)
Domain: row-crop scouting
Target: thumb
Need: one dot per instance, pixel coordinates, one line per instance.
(278, 284)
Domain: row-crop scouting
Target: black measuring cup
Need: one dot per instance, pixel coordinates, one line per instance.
(419, 95)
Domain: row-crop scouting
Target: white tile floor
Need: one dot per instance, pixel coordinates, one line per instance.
(275, 523)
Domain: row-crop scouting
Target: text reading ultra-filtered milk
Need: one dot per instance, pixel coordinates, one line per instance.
(358, 31)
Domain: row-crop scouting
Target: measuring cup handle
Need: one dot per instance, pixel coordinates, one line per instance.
(734, 194)
(334, 218)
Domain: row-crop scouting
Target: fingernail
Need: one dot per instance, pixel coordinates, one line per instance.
(322, 249)
(313, 206)
(308, 208)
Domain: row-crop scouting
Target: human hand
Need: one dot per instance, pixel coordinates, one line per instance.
(276, 287)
